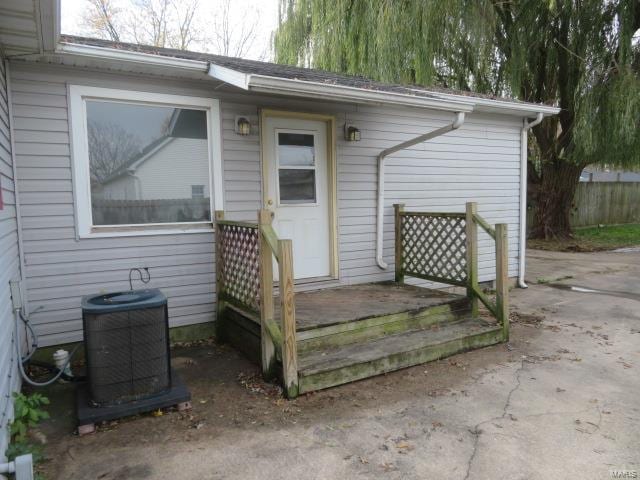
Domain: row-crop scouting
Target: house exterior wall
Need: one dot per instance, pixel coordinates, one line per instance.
(479, 162)
(170, 172)
(121, 188)
(9, 269)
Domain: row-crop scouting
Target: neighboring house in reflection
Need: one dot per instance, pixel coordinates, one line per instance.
(170, 167)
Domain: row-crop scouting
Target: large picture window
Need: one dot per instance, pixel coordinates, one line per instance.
(144, 162)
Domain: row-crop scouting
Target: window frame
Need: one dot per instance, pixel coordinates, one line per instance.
(78, 95)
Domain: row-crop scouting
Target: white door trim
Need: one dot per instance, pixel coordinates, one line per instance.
(331, 176)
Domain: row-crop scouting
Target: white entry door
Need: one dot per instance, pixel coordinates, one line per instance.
(297, 190)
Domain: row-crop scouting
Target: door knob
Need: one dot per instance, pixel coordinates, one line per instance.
(269, 202)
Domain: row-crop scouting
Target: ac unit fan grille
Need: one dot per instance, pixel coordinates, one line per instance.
(127, 355)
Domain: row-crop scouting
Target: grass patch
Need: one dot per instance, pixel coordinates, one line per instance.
(591, 239)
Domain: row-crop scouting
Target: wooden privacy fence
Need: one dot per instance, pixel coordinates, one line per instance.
(602, 203)
(244, 278)
(119, 212)
(606, 203)
(443, 248)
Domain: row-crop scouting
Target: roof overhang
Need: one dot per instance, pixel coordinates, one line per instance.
(432, 100)
(29, 27)
(127, 60)
(306, 89)
(131, 58)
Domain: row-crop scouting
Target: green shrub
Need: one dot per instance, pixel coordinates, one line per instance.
(28, 413)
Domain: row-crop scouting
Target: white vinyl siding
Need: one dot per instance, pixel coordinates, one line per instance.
(169, 172)
(9, 270)
(479, 162)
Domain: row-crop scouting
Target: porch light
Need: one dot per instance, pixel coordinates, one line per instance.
(243, 127)
(351, 133)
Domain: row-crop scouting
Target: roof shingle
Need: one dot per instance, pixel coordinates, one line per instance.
(253, 67)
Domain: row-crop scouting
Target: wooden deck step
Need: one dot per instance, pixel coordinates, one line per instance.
(446, 309)
(320, 369)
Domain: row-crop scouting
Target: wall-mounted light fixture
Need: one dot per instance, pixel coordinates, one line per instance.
(243, 126)
(351, 133)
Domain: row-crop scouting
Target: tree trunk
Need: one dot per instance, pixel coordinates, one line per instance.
(553, 199)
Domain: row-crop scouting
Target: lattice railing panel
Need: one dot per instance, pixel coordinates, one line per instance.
(434, 247)
(239, 258)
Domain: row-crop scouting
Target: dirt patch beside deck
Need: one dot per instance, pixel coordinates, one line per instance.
(559, 401)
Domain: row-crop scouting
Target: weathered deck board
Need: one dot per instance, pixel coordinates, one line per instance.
(332, 306)
(353, 332)
(321, 360)
(322, 369)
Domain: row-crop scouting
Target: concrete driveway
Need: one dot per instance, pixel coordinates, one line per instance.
(561, 400)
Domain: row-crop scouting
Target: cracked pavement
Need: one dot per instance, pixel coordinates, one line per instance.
(561, 400)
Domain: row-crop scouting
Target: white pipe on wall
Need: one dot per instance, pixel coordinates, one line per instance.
(523, 195)
(21, 467)
(457, 123)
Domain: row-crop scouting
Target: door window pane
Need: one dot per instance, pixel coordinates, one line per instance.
(297, 186)
(296, 149)
(144, 161)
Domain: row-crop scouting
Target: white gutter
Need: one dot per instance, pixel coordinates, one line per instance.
(502, 106)
(523, 195)
(301, 88)
(329, 91)
(457, 123)
(137, 58)
(422, 98)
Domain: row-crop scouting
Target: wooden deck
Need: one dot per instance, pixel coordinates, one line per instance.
(332, 306)
(352, 332)
(318, 339)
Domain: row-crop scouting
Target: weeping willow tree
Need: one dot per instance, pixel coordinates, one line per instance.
(579, 55)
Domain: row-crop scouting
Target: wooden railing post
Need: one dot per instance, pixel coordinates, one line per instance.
(502, 276)
(472, 255)
(399, 252)
(266, 297)
(219, 215)
(288, 313)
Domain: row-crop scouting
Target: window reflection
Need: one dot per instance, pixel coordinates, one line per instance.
(144, 163)
(297, 186)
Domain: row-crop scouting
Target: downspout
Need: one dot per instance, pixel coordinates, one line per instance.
(457, 123)
(523, 195)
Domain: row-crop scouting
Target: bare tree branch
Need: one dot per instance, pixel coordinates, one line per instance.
(102, 19)
(177, 24)
(110, 147)
(231, 40)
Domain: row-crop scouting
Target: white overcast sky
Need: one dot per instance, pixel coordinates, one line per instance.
(263, 12)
